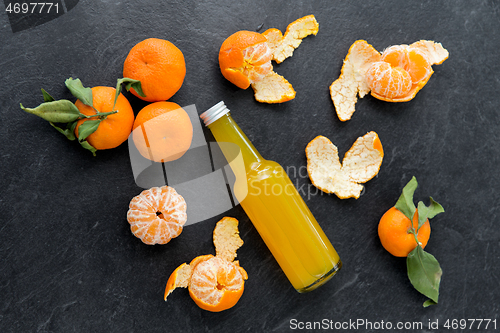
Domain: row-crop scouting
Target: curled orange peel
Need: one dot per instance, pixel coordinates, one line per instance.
(351, 83)
(353, 78)
(360, 164)
(282, 46)
(245, 59)
(273, 88)
(226, 275)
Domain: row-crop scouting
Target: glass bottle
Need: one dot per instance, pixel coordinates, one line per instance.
(276, 209)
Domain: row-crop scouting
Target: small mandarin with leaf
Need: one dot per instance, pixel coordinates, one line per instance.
(115, 128)
(159, 65)
(404, 231)
(395, 232)
(101, 118)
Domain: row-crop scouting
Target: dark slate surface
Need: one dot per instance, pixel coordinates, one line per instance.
(68, 262)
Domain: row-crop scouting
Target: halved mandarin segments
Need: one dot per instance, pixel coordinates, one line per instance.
(282, 46)
(214, 283)
(388, 81)
(157, 215)
(352, 82)
(360, 164)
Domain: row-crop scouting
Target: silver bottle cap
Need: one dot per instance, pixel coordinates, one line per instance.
(214, 113)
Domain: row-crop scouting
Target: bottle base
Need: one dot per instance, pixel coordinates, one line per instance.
(322, 280)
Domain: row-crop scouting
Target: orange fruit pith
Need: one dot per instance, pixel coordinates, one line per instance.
(216, 284)
(393, 231)
(159, 65)
(162, 131)
(157, 215)
(115, 129)
(244, 58)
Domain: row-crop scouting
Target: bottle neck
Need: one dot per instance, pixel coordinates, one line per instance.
(225, 129)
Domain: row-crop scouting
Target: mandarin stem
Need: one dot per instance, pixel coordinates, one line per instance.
(99, 114)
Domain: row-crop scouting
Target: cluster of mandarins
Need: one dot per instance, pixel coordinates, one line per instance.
(164, 128)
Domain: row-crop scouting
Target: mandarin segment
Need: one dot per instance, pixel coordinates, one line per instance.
(360, 164)
(352, 82)
(388, 81)
(157, 215)
(215, 283)
(282, 46)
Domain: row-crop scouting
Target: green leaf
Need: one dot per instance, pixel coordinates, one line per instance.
(47, 97)
(423, 212)
(79, 91)
(429, 302)
(61, 111)
(424, 273)
(88, 146)
(428, 212)
(434, 209)
(69, 131)
(86, 128)
(405, 202)
(129, 83)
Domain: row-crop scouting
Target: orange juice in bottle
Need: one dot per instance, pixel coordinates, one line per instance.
(276, 209)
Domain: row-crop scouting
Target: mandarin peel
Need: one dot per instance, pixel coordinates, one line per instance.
(396, 75)
(245, 59)
(282, 46)
(351, 82)
(360, 164)
(215, 283)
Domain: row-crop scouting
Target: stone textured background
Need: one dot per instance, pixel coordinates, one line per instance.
(68, 262)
